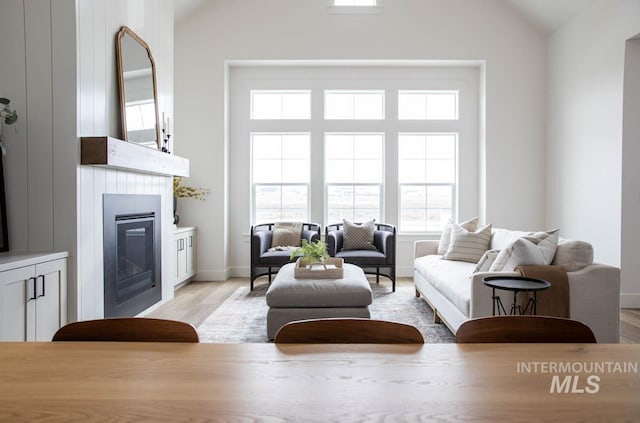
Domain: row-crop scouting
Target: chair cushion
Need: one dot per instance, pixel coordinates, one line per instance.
(286, 234)
(274, 258)
(363, 257)
(358, 237)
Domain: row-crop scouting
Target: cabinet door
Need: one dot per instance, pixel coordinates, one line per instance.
(182, 258)
(51, 308)
(191, 257)
(17, 304)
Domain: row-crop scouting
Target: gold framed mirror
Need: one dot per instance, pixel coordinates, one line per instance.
(138, 90)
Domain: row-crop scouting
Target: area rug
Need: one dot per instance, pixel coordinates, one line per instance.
(243, 316)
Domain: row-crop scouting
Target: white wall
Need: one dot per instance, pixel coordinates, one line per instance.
(584, 155)
(99, 115)
(57, 65)
(514, 52)
(38, 74)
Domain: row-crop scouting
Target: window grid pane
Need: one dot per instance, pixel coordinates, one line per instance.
(357, 203)
(354, 104)
(426, 173)
(280, 104)
(427, 105)
(281, 176)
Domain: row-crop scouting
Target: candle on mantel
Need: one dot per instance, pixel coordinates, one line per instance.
(168, 125)
(164, 127)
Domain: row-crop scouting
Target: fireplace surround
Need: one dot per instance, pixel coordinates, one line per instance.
(132, 253)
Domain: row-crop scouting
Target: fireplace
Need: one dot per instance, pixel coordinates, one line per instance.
(132, 275)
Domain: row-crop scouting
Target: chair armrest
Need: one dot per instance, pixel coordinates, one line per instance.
(425, 247)
(334, 242)
(310, 235)
(385, 243)
(260, 242)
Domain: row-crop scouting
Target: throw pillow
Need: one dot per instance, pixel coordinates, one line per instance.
(445, 239)
(286, 234)
(485, 262)
(535, 249)
(358, 236)
(468, 246)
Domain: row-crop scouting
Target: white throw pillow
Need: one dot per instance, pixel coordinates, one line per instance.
(286, 234)
(485, 262)
(468, 246)
(535, 249)
(445, 239)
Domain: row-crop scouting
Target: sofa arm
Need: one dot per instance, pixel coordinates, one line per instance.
(481, 301)
(425, 247)
(594, 299)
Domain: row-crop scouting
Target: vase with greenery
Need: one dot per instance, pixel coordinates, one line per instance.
(8, 116)
(184, 191)
(311, 252)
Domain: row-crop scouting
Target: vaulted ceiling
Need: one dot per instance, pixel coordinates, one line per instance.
(547, 15)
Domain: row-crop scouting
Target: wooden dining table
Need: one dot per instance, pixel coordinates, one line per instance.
(166, 382)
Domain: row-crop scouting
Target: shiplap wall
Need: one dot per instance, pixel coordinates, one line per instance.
(99, 114)
(57, 65)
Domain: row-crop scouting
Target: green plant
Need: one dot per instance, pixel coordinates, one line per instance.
(9, 116)
(311, 252)
(184, 191)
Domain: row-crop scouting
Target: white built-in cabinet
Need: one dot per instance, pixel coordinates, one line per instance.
(184, 241)
(33, 295)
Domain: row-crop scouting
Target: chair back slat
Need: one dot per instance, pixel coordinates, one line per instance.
(348, 331)
(127, 329)
(524, 329)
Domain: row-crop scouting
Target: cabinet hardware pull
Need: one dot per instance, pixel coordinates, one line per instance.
(190, 241)
(32, 286)
(38, 277)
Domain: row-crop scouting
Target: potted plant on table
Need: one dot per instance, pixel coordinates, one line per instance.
(311, 253)
(184, 191)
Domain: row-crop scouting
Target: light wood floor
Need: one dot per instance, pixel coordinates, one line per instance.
(195, 301)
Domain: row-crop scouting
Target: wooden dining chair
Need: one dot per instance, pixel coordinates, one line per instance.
(128, 329)
(347, 331)
(524, 329)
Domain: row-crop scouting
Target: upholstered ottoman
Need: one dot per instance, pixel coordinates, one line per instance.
(292, 299)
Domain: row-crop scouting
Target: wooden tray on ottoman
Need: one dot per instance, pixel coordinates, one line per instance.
(331, 269)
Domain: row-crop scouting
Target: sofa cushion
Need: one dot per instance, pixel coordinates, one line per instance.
(466, 245)
(535, 249)
(445, 238)
(450, 278)
(485, 262)
(573, 255)
(502, 238)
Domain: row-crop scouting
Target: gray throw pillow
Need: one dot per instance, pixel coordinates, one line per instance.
(358, 237)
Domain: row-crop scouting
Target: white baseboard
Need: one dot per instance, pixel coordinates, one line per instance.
(629, 300)
(212, 275)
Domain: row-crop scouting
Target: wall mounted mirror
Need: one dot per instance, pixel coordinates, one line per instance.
(138, 89)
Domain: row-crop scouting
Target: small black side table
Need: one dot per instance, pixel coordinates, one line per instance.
(515, 284)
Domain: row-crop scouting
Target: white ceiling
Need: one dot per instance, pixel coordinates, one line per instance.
(547, 15)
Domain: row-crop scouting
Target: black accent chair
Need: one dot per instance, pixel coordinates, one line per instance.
(264, 262)
(379, 262)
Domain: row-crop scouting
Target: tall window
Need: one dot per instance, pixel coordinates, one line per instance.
(280, 173)
(427, 177)
(326, 142)
(354, 176)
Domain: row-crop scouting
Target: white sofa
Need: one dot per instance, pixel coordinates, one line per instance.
(457, 294)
